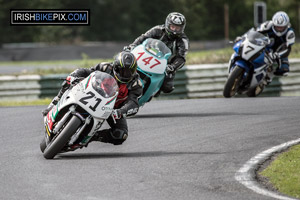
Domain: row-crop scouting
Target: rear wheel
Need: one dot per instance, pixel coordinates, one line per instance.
(233, 82)
(254, 92)
(58, 142)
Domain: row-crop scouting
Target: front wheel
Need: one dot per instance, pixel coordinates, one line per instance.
(43, 145)
(57, 143)
(233, 82)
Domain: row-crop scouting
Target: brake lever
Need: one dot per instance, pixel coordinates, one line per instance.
(112, 115)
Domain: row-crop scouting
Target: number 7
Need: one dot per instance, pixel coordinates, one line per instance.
(157, 63)
(250, 49)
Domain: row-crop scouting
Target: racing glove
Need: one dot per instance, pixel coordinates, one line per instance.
(170, 69)
(238, 38)
(275, 56)
(128, 48)
(71, 80)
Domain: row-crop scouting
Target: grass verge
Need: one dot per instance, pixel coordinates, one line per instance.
(284, 172)
(25, 102)
(193, 57)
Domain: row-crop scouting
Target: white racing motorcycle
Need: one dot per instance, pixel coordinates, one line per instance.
(79, 114)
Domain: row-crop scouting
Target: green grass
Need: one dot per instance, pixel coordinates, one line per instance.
(284, 172)
(57, 66)
(223, 55)
(25, 102)
(209, 56)
(193, 57)
(82, 62)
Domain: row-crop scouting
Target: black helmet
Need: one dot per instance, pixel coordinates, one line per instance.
(175, 24)
(124, 66)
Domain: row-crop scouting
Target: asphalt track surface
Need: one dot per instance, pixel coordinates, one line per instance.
(179, 149)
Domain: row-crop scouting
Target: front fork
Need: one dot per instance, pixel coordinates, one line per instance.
(49, 121)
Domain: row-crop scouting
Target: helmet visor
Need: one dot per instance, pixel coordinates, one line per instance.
(280, 28)
(176, 28)
(123, 74)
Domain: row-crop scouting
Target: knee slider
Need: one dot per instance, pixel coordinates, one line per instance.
(119, 136)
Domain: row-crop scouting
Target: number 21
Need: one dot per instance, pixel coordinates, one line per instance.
(90, 95)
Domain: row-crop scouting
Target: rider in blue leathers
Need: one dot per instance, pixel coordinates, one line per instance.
(282, 38)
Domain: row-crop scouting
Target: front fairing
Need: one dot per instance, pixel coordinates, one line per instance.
(237, 46)
(259, 61)
(96, 101)
(152, 56)
(152, 59)
(237, 60)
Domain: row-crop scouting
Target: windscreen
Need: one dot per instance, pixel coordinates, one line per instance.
(104, 84)
(257, 38)
(157, 48)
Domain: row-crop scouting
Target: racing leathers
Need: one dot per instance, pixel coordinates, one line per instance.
(281, 46)
(177, 44)
(126, 103)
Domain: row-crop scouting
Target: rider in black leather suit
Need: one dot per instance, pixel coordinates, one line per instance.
(172, 34)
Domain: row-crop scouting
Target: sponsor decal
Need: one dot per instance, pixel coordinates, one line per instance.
(111, 100)
(104, 108)
(88, 82)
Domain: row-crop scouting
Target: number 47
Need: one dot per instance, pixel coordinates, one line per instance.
(148, 60)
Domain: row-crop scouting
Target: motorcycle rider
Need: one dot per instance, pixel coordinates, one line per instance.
(123, 69)
(282, 38)
(172, 34)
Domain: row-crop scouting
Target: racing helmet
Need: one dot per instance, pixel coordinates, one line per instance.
(175, 24)
(281, 22)
(124, 66)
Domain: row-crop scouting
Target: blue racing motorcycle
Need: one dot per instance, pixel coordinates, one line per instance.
(250, 66)
(152, 58)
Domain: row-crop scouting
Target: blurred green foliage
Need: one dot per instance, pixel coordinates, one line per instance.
(115, 20)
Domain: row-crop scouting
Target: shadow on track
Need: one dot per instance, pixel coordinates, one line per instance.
(131, 155)
(168, 115)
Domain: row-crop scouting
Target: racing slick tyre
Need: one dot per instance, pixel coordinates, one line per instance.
(58, 142)
(233, 82)
(254, 92)
(43, 145)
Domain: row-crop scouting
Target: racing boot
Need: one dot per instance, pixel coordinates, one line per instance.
(168, 84)
(157, 93)
(116, 137)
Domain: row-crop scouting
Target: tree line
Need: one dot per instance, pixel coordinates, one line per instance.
(124, 20)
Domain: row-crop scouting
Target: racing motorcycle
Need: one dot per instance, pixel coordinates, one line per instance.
(152, 58)
(79, 114)
(250, 67)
